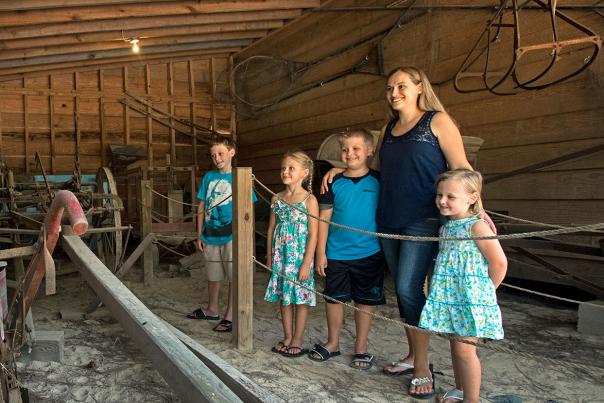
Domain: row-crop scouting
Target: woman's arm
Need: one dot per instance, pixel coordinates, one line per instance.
(492, 252)
(311, 242)
(449, 139)
(269, 235)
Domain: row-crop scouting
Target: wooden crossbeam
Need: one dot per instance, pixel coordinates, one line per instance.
(98, 27)
(90, 13)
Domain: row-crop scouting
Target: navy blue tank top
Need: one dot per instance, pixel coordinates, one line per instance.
(409, 166)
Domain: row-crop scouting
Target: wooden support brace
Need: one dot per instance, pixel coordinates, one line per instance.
(146, 204)
(243, 266)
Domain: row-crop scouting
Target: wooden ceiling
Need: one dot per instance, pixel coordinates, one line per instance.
(44, 35)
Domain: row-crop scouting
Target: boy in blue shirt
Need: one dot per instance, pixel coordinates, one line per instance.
(214, 230)
(351, 262)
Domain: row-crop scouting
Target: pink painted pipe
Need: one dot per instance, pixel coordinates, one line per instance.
(64, 200)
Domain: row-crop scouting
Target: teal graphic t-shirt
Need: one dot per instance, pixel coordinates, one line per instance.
(216, 192)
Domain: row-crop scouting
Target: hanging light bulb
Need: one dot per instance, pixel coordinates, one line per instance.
(134, 42)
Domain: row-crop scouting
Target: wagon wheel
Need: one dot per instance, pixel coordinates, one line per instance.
(108, 244)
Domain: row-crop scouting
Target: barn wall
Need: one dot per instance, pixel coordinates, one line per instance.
(49, 114)
(518, 130)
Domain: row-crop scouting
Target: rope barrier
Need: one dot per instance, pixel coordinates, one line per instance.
(448, 336)
(558, 231)
(509, 217)
(542, 294)
(171, 199)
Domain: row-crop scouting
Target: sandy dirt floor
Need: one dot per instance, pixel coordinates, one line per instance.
(102, 364)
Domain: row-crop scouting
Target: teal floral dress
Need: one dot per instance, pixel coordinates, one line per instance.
(462, 297)
(289, 246)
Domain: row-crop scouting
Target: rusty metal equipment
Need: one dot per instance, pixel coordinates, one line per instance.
(24, 201)
(493, 79)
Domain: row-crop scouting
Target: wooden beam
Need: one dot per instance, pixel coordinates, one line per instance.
(192, 109)
(149, 119)
(126, 110)
(85, 65)
(91, 13)
(76, 120)
(213, 118)
(18, 252)
(1, 145)
(170, 72)
(245, 388)
(243, 266)
(189, 378)
(95, 27)
(26, 128)
(51, 122)
(143, 33)
(116, 53)
(98, 48)
(146, 207)
(102, 125)
(48, 4)
(262, 44)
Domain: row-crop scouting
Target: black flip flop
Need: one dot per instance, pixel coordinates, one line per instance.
(300, 353)
(279, 348)
(362, 358)
(322, 352)
(226, 324)
(199, 314)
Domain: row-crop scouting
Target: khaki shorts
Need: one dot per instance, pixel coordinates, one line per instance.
(219, 261)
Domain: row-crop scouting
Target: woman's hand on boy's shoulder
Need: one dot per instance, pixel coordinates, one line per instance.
(328, 178)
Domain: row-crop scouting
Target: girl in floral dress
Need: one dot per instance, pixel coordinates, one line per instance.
(462, 299)
(292, 239)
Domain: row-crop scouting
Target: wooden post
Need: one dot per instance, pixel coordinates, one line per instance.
(243, 267)
(171, 111)
(149, 120)
(102, 125)
(76, 121)
(146, 205)
(192, 109)
(126, 109)
(26, 128)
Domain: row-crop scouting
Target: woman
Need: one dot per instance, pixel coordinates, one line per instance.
(419, 142)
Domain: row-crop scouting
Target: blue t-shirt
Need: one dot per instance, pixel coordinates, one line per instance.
(354, 202)
(216, 192)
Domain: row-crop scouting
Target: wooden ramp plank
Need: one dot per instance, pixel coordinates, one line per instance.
(192, 380)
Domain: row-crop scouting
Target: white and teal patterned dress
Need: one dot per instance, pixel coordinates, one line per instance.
(462, 297)
(289, 246)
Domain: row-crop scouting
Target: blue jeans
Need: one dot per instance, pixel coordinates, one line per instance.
(409, 263)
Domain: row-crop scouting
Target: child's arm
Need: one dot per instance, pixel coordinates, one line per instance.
(492, 252)
(201, 215)
(311, 242)
(321, 256)
(269, 235)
